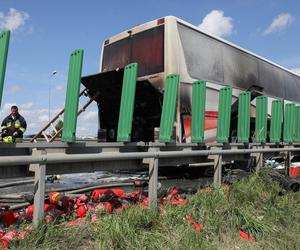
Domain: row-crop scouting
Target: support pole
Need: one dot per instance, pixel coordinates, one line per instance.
(287, 161)
(39, 193)
(153, 179)
(259, 160)
(217, 170)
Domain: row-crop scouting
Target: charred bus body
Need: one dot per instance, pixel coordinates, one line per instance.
(170, 45)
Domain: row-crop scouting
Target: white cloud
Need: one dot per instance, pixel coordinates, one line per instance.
(90, 116)
(43, 118)
(14, 89)
(217, 24)
(296, 70)
(13, 20)
(279, 23)
(59, 87)
(27, 105)
(6, 108)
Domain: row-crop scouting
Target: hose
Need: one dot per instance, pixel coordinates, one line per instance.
(284, 181)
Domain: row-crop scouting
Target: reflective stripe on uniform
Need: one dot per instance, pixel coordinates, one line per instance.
(17, 124)
(22, 129)
(8, 139)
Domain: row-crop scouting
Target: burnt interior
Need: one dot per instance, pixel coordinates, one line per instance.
(147, 108)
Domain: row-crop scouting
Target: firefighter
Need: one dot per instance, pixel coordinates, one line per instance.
(13, 126)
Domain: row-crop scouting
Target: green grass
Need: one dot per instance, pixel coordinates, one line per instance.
(255, 204)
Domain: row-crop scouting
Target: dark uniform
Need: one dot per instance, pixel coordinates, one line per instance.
(13, 124)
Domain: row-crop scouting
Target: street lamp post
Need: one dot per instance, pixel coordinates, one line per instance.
(54, 72)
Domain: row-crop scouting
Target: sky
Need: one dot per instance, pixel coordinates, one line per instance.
(44, 33)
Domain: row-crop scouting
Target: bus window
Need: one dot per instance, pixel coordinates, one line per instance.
(272, 79)
(116, 55)
(240, 69)
(203, 55)
(292, 87)
(145, 48)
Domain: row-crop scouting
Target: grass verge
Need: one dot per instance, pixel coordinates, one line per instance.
(256, 205)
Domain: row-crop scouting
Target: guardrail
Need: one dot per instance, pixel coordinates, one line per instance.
(41, 159)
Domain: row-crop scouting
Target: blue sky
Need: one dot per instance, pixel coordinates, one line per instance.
(46, 32)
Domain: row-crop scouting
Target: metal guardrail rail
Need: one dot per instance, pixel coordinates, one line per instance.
(42, 158)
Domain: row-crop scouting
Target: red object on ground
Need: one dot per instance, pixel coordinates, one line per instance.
(16, 215)
(8, 217)
(137, 183)
(82, 210)
(198, 227)
(176, 201)
(94, 218)
(144, 203)
(246, 236)
(189, 219)
(63, 202)
(172, 197)
(47, 208)
(29, 210)
(75, 222)
(49, 218)
(21, 214)
(55, 197)
(104, 207)
(173, 192)
(98, 192)
(120, 209)
(139, 195)
(83, 199)
(294, 171)
(108, 206)
(8, 237)
(22, 235)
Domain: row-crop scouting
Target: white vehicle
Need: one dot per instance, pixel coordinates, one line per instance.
(170, 45)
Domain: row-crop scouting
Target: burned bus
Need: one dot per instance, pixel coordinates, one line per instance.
(170, 45)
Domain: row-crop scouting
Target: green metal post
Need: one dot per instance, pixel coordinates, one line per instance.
(297, 124)
(127, 103)
(224, 114)
(289, 123)
(261, 120)
(4, 43)
(169, 108)
(276, 121)
(73, 88)
(243, 130)
(198, 111)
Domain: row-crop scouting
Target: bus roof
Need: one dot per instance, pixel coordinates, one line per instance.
(153, 23)
(231, 44)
